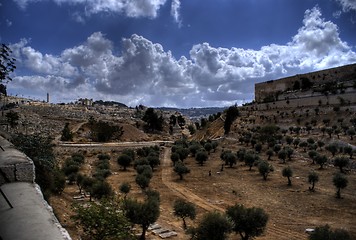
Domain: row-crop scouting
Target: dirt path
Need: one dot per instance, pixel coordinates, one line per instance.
(273, 230)
(178, 189)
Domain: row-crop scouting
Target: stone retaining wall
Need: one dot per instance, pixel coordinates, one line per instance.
(14, 165)
(24, 213)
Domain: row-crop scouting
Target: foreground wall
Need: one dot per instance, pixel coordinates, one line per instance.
(30, 216)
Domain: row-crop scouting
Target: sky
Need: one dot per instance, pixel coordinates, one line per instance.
(170, 53)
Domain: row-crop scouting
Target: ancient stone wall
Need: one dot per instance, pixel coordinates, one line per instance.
(273, 87)
(24, 214)
(14, 165)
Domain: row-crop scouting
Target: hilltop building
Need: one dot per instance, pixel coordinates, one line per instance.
(85, 102)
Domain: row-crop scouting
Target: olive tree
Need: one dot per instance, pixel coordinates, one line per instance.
(248, 222)
(340, 182)
(142, 181)
(125, 188)
(269, 153)
(321, 160)
(184, 209)
(282, 154)
(181, 169)
(341, 162)
(143, 213)
(230, 159)
(313, 178)
(124, 161)
(201, 157)
(67, 135)
(174, 158)
(250, 158)
(213, 226)
(104, 220)
(325, 233)
(288, 173)
(332, 148)
(265, 168)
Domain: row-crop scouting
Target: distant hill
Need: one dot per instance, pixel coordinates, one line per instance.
(195, 113)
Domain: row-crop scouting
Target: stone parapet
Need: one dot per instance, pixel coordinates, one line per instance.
(15, 166)
(24, 214)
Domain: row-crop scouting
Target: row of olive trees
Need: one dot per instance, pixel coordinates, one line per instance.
(96, 184)
(143, 156)
(251, 158)
(114, 220)
(199, 150)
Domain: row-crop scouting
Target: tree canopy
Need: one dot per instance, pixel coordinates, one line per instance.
(7, 64)
(153, 121)
(104, 220)
(181, 169)
(325, 233)
(184, 209)
(143, 213)
(231, 114)
(213, 226)
(248, 222)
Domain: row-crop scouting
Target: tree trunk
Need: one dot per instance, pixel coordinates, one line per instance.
(246, 237)
(338, 195)
(184, 224)
(289, 182)
(143, 235)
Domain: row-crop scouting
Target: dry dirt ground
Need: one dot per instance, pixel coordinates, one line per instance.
(291, 209)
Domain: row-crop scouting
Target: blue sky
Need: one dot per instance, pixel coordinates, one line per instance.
(176, 53)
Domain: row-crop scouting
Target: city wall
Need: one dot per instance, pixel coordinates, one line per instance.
(339, 74)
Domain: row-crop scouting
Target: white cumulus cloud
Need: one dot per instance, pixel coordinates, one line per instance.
(131, 8)
(348, 5)
(145, 73)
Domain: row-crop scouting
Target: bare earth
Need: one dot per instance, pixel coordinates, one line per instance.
(291, 209)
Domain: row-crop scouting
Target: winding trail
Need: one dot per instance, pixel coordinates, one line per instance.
(182, 191)
(273, 231)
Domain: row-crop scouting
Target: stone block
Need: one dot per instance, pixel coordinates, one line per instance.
(8, 172)
(25, 172)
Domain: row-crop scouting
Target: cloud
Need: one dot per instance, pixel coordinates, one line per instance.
(78, 17)
(175, 7)
(145, 73)
(8, 23)
(348, 5)
(136, 8)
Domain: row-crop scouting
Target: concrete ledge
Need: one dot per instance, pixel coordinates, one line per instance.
(31, 217)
